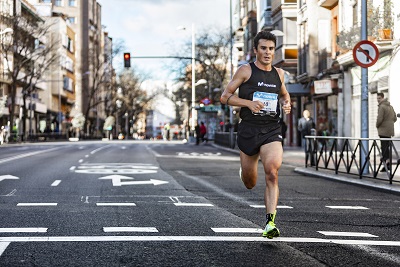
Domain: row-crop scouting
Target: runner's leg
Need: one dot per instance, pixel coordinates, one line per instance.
(271, 158)
(249, 169)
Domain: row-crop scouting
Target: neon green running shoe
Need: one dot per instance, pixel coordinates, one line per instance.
(270, 230)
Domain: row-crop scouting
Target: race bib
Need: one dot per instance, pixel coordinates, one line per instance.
(270, 101)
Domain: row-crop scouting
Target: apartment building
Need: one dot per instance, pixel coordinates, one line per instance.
(84, 19)
(315, 49)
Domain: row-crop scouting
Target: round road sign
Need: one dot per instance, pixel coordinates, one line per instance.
(365, 54)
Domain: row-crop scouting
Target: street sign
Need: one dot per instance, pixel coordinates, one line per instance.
(365, 54)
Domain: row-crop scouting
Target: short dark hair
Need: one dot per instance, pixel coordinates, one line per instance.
(267, 35)
(381, 95)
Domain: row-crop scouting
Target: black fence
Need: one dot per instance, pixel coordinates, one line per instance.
(357, 156)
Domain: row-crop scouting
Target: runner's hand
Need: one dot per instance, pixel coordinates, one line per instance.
(255, 106)
(286, 107)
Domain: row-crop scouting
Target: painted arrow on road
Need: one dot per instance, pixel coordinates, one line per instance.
(8, 176)
(117, 180)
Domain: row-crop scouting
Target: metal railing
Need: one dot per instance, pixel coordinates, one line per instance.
(356, 156)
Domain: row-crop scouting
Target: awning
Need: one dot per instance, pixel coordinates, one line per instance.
(298, 88)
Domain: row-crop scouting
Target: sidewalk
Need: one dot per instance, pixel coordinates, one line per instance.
(294, 156)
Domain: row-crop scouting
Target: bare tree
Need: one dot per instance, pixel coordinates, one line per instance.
(28, 56)
(101, 77)
(212, 57)
(127, 97)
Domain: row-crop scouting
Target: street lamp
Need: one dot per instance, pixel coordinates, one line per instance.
(193, 72)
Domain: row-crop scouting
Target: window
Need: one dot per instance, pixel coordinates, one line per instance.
(71, 2)
(71, 20)
(46, 1)
(58, 3)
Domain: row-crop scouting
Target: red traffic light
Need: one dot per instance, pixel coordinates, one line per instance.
(127, 60)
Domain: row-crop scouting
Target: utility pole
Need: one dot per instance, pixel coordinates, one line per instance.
(364, 93)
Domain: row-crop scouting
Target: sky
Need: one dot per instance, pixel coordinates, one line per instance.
(150, 28)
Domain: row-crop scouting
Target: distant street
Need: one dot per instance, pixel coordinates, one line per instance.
(155, 203)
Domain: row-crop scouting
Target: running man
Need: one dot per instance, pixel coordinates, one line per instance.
(261, 93)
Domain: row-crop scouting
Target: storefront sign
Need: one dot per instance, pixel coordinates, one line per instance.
(323, 87)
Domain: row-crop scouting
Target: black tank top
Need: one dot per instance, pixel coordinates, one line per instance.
(260, 81)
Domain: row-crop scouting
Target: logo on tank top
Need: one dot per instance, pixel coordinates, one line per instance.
(266, 84)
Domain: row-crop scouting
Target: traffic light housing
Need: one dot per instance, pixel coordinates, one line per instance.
(127, 60)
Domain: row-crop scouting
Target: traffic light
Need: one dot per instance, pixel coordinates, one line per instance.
(127, 60)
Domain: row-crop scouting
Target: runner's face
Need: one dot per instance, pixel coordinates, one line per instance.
(265, 51)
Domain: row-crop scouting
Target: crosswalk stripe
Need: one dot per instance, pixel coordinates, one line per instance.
(37, 204)
(355, 234)
(23, 230)
(348, 207)
(237, 230)
(180, 204)
(130, 229)
(116, 204)
(278, 207)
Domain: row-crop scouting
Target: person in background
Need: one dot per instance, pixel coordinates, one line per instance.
(305, 126)
(385, 125)
(203, 132)
(197, 130)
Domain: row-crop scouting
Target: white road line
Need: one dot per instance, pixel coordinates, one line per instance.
(36, 204)
(80, 161)
(23, 230)
(130, 229)
(98, 149)
(3, 246)
(348, 207)
(358, 234)
(26, 155)
(116, 204)
(180, 204)
(72, 168)
(278, 207)
(237, 230)
(56, 183)
(196, 239)
(11, 193)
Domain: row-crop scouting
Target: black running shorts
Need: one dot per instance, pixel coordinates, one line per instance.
(251, 137)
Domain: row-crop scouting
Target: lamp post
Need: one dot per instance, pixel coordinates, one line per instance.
(193, 74)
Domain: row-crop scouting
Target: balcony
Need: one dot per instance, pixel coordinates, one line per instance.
(328, 4)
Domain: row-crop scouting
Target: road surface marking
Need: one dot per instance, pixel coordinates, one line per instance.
(116, 204)
(196, 239)
(56, 183)
(237, 230)
(278, 207)
(348, 207)
(37, 204)
(180, 204)
(23, 230)
(26, 155)
(3, 246)
(11, 193)
(327, 233)
(130, 229)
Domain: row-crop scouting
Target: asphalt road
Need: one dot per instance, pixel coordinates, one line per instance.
(171, 204)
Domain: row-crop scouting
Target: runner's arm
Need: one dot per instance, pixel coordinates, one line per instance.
(230, 98)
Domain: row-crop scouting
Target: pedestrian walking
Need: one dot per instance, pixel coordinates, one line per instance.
(385, 125)
(203, 132)
(261, 92)
(306, 125)
(197, 130)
